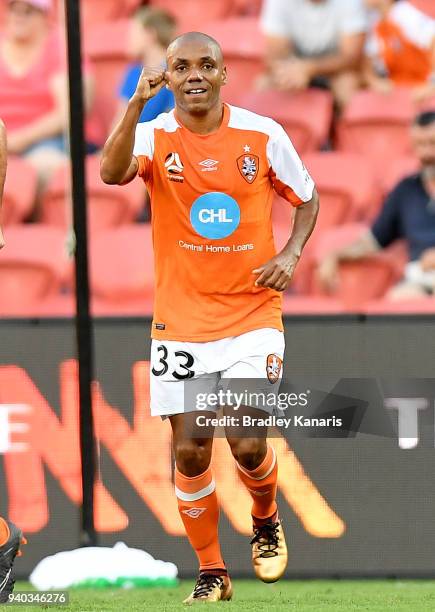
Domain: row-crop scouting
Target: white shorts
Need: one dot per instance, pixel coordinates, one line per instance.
(181, 370)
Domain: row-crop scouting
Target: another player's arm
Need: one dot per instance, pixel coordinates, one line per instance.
(3, 165)
(278, 271)
(118, 164)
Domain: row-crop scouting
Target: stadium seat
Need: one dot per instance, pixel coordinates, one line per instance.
(20, 191)
(397, 170)
(192, 13)
(106, 47)
(108, 205)
(243, 47)
(32, 267)
(246, 7)
(377, 126)
(310, 305)
(424, 305)
(122, 269)
(306, 116)
(426, 6)
(362, 280)
(98, 11)
(347, 187)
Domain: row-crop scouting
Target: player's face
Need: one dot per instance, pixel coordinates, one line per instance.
(23, 19)
(195, 75)
(423, 139)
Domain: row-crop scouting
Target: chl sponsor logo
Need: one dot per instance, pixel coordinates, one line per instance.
(209, 165)
(273, 367)
(174, 167)
(215, 215)
(194, 512)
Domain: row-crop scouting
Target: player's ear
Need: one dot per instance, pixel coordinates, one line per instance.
(224, 77)
(168, 82)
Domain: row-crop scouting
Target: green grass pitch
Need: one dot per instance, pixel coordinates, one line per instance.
(253, 596)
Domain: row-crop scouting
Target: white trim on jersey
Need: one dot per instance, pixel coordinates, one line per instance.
(144, 138)
(415, 25)
(281, 154)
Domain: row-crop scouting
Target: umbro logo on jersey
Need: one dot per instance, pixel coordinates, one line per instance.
(248, 167)
(174, 167)
(194, 512)
(209, 165)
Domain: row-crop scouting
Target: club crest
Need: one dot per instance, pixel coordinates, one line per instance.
(248, 167)
(273, 367)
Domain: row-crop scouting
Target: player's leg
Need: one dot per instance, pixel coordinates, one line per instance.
(258, 470)
(258, 366)
(198, 505)
(11, 538)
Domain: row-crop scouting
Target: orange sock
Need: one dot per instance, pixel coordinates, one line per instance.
(4, 532)
(261, 484)
(199, 511)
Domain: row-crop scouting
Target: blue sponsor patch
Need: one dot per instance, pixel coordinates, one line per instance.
(215, 215)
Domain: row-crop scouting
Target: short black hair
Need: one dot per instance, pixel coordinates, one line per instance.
(424, 119)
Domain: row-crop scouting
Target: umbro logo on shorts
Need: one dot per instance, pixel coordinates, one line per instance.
(273, 367)
(194, 512)
(174, 167)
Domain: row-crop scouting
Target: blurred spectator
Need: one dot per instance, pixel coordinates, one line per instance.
(33, 91)
(150, 34)
(317, 42)
(400, 48)
(409, 214)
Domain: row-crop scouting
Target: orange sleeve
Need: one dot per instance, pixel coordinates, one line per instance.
(145, 168)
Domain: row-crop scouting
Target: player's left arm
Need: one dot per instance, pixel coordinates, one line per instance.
(278, 271)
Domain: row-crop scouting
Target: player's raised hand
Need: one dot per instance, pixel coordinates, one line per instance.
(277, 272)
(151, 81)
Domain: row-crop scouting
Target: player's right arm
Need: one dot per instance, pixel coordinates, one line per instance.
(3, 164)
(118, 164)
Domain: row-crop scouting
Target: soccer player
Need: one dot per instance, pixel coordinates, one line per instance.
(210, 169)
(10, 536)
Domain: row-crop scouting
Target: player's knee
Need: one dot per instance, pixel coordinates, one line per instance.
(192, 457)
(248, 452)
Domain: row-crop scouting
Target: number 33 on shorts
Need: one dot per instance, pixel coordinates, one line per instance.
(171, 364)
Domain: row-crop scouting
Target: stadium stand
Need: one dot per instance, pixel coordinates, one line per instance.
(243, 46)
(19, 195)
(106, 47)
(426, 6)
(122, 274)
(391, 307)
(109, 205)
(397, 170)
(97, 11)
(190, 13)
(376, 125)
(33, 267)
(346, 185)
(308, 130)
(371, 153)
(311, 305)
(363, 280)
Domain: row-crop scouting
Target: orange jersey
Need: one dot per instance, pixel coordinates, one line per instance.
(211, 200)
(401, 44)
